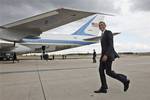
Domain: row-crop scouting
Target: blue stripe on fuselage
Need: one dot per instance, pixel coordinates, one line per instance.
(56, 41)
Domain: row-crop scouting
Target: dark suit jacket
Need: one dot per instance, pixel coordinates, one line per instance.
(108, 46)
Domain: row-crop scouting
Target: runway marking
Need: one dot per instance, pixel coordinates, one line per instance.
(43, 70)
(41, 83)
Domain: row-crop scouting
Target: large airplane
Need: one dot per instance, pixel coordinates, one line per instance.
(25, 33)
(87, 34)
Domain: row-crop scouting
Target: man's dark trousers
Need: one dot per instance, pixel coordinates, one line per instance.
(107, 65)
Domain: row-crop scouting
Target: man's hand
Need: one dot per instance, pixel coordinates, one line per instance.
(104, 58)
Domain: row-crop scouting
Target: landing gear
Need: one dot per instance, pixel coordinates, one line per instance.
(43, 50)
(44, 56)
(14, 43)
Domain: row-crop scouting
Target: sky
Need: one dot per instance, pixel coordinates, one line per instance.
(131, 19)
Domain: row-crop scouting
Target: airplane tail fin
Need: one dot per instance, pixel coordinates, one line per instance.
(90, 28)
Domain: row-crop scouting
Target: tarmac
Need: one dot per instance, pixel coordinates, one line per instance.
(72, 79)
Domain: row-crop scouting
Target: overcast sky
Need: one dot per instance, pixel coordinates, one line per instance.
(132, 18)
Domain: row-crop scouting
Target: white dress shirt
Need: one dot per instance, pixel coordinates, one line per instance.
(101, 34)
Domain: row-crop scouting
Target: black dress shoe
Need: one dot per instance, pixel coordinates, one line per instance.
(101, 91)
(126, 85)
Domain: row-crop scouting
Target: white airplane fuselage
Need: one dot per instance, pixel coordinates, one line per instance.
(54, 42)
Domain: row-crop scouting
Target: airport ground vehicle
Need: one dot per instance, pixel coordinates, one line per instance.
(4, 56)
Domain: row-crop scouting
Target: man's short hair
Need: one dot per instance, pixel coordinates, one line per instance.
(102, 22)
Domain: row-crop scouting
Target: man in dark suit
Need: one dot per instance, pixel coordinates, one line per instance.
(108, 55)
(94, 56)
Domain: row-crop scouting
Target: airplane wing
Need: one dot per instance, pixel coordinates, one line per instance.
(96, 38)
(35, 25)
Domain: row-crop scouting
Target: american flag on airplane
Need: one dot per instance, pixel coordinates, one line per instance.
(95, 25)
